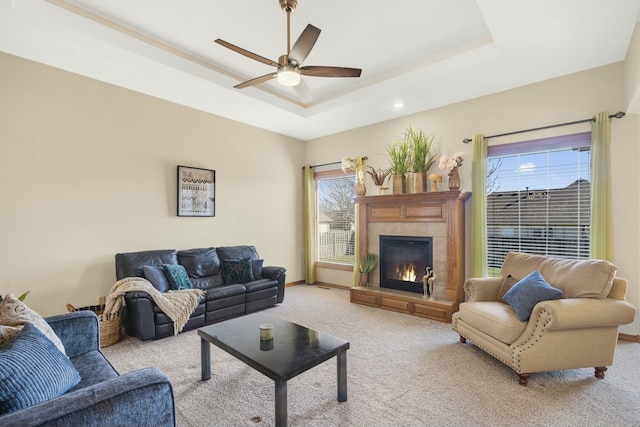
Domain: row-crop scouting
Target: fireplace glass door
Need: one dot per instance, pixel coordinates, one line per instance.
(404, 261)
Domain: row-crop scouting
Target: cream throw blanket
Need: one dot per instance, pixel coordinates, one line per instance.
(178, 305)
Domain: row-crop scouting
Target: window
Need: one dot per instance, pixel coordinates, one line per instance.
(335, 219)
(539, 198)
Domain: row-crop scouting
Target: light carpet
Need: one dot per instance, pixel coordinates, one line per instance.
(402, 371)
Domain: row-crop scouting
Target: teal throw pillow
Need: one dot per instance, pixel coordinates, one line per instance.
(177, 276)
(524, 295)
(237, 270)
(33, 370)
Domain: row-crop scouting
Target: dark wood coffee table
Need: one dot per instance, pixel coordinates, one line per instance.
(293, 350)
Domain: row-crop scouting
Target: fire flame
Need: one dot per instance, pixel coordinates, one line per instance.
(406, 272)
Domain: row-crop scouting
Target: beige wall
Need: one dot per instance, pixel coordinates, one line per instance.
(632, 74)
(575, 97)
(88, 170)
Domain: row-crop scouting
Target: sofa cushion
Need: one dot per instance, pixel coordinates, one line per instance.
(528, 292)
(575, 278)
(14, 314)
(177, 276)
(201, 262)
(235, 252)
(129, 264)
(93, 368)
(157, 277)
(33, 370)
(237, 270)
(493, 318)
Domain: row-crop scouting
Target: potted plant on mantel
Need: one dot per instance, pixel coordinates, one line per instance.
(399, 159)
(367, 264)
(421, 159)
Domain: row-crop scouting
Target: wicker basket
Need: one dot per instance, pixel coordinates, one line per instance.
(110, 325)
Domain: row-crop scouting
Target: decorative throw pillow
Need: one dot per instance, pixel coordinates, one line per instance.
(33, 370)
(14, 314)
(237, 270)
(528, 292)
(157, 277)
(256, 268)
(506, 285)
(177, 276)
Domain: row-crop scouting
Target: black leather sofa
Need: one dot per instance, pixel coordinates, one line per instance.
(222, 299)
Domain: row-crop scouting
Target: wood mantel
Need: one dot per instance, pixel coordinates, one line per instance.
(445, 207)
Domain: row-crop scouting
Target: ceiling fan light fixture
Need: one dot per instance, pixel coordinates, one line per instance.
(289, 76)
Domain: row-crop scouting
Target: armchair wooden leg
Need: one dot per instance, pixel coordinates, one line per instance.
(523, 379)
(463, 339)
(600, 370)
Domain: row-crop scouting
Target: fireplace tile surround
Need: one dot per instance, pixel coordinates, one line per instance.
(439, 215)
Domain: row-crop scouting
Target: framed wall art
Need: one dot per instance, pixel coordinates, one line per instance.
(196, 191)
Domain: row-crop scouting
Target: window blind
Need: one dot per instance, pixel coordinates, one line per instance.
(539, 198)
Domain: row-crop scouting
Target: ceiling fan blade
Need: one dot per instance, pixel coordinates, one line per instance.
(304, 44)
(318, 71)
(303, 92)
(257, 80)
(246, 53)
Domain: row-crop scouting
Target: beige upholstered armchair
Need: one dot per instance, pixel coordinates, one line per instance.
(578, 329)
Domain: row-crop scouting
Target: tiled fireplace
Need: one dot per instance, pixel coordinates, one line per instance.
(435, 216)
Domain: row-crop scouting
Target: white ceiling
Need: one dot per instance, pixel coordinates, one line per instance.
(420, 53)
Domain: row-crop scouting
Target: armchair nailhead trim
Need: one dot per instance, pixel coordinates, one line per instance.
(536, 335)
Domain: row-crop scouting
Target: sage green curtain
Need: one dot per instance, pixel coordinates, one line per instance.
(601, 205)
(309, 224)
(479, 206)
(356, 246)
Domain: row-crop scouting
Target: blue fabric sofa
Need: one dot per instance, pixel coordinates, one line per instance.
(103, 397)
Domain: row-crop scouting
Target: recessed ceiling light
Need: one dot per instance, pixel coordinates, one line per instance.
(398, 105)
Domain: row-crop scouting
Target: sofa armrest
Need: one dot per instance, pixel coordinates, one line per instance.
(276, 273)
(580, 313)
(139, 316)
(79, 331)
(143, 397)
(482, 289)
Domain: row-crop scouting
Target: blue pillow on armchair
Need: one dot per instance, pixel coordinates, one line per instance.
(528, 292)
(33, 370)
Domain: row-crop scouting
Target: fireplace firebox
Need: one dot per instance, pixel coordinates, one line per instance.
(403, 261)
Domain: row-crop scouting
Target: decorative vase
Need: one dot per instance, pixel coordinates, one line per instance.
(398, 184)
(454, 179)
(360, 189)
(381, 189)
(417, 182)
(364, 279)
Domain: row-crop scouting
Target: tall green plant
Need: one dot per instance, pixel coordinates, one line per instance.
(421, 157)
(399, 157)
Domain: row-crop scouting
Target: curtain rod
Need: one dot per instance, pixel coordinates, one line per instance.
(617, 115)
(333, 163)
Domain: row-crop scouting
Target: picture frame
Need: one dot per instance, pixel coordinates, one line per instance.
(196, 192)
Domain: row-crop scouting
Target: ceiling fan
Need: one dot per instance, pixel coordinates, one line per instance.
(289, 66)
